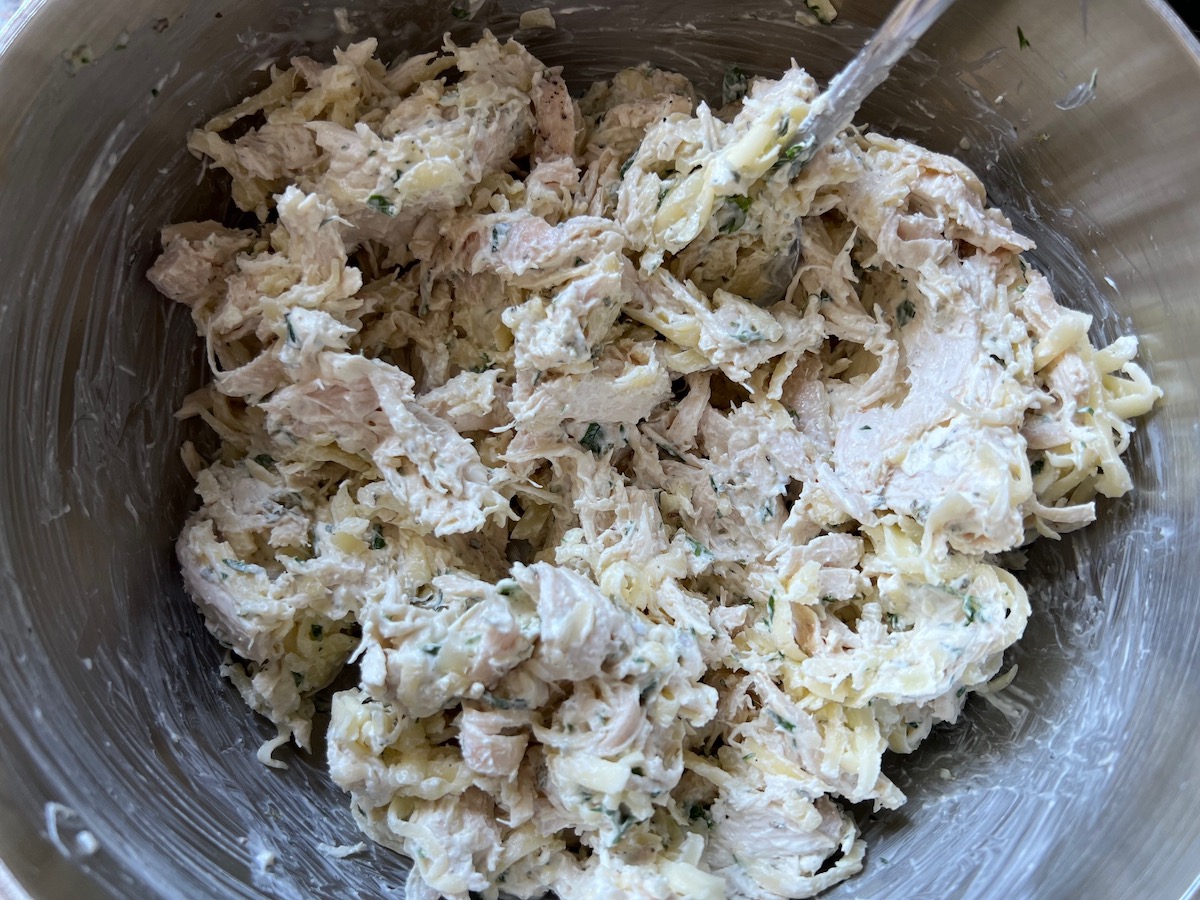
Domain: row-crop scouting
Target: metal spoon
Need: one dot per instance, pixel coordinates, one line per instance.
(836, 107)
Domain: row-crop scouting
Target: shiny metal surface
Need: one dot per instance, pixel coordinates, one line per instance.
(839, 103)
(127, 766)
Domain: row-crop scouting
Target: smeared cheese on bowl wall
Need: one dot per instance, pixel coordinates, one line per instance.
(643, 568)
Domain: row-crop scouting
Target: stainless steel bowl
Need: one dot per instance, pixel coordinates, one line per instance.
(127, 766)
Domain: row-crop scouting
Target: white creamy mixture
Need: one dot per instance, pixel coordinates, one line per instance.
(644, 560)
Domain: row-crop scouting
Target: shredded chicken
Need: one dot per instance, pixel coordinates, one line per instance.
(643, 566)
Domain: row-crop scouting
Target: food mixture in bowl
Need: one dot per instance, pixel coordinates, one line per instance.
(656, 480)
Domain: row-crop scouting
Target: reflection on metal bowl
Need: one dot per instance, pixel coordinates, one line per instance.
(126, 764)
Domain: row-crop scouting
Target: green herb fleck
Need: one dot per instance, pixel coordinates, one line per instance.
(1035, 468)
(297, 678)
(1022, 41)
(459, 13)
(592, 438)
(291, 332)
(503, 702)
(733, 214)
(970, 608)
(432, 649)
(699, 813)
(698, 549)
(381, 204)
(629, 162)
(377, 541)
(770, 610)
(622, 821)
(265, 461)
(734, 85)
(238, 566)
(781, 721)
(905, 313)
(1087, 410)
(316, 631)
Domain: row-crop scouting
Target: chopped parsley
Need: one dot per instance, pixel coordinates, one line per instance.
(1022, 41)
(905, 313)
(781, 721)
(381, 204)
(291, 332)
(794, 157)
(622, 821)
(499, 234)
(793, 151)
(432, 649)
(265, 461)
(459, 13)
(592, 438)
(970, 608)
(315, 631)
(503, 702)
(377, 541)
(238, 566)
(733, 214)
(734, 85)
(1035, 467)
(699, 813)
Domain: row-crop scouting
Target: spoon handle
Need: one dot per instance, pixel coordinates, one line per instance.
(836, 107)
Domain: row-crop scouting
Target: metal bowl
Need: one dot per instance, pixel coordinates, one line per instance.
(127, 766)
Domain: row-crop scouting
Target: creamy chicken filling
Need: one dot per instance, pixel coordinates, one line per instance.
(645, 555)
